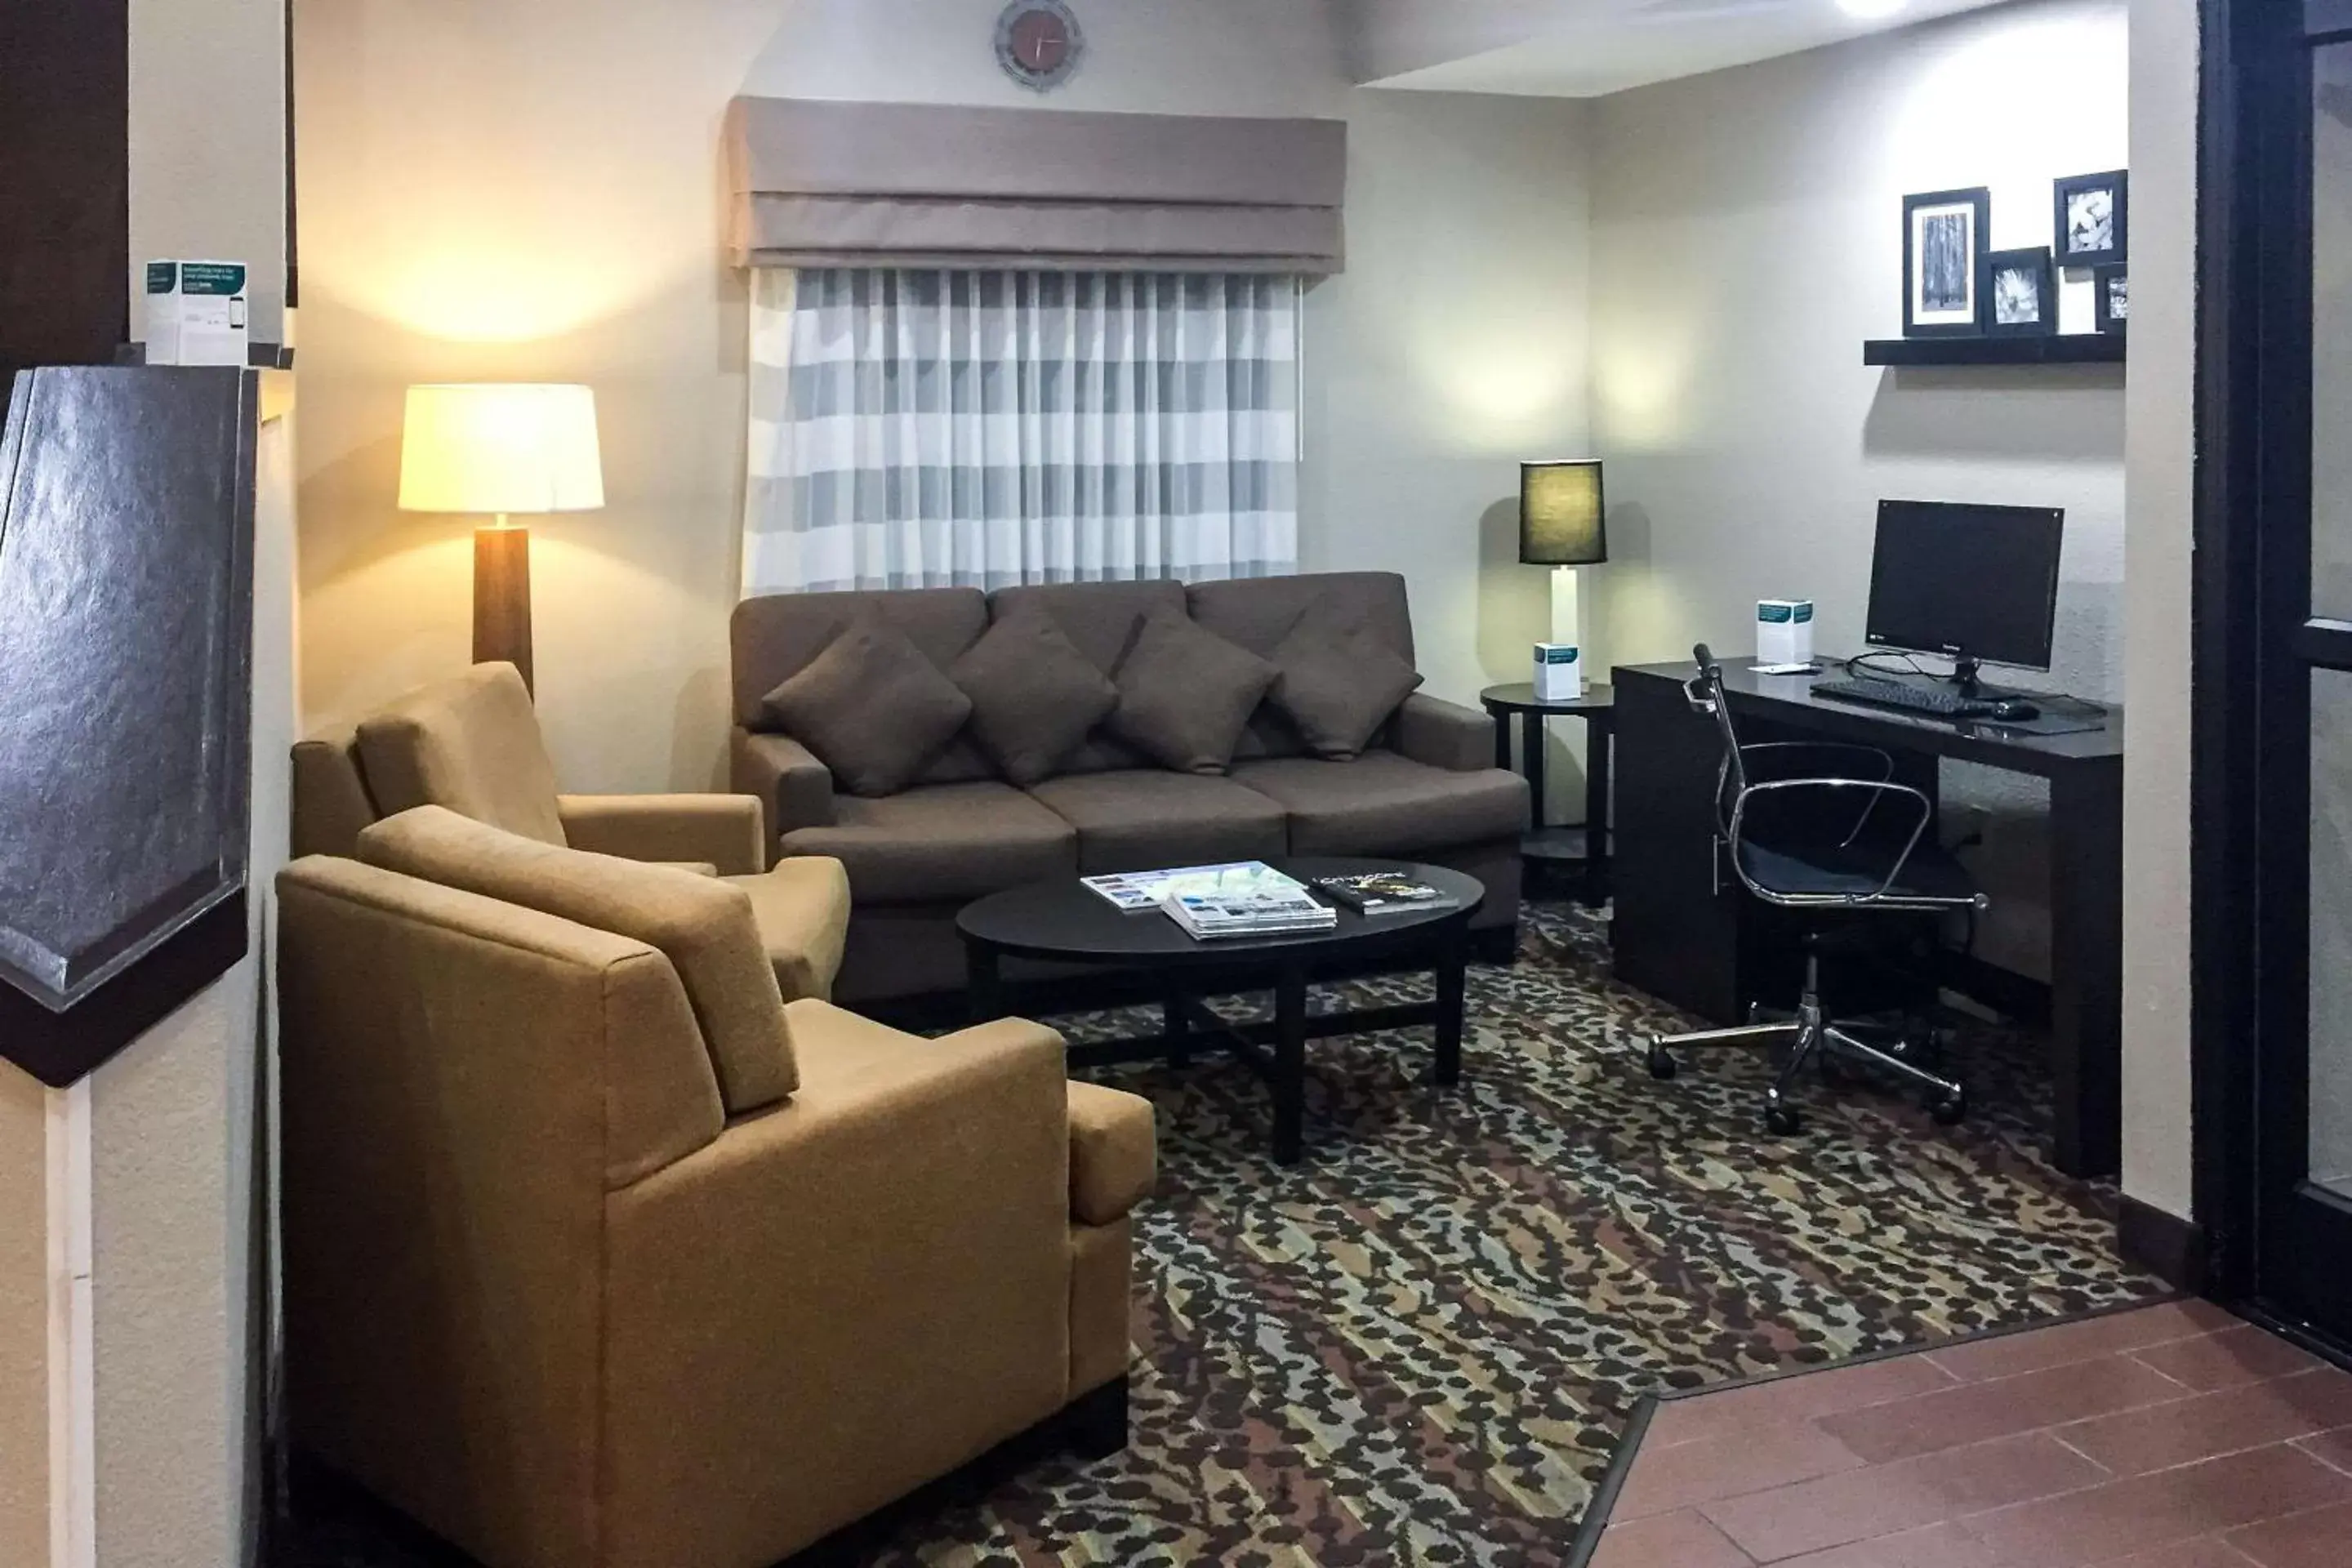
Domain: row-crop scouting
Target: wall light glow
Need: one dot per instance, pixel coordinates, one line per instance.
(1871, 10)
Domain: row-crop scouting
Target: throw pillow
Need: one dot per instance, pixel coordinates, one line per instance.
(871, 708)
(1339, 683)
(1184, 694)
(1034, 697)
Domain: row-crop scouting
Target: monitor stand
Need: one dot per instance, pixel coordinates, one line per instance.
(1967, 674)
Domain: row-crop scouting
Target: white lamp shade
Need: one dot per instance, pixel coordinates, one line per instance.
(502, 448)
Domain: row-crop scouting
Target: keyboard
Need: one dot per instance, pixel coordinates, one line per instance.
(1933, 702)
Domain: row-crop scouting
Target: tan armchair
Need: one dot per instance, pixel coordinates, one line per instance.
(547, 1295)
(472, 743)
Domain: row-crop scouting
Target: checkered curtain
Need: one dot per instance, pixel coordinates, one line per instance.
(920, 429)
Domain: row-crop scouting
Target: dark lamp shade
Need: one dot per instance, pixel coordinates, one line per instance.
(1562, 521)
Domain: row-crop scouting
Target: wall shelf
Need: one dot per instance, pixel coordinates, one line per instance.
(2073, 348)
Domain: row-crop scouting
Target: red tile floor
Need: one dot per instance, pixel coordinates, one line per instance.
(2172, 1436)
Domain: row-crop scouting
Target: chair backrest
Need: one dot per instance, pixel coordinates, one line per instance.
(1706, 696)
(470, 743)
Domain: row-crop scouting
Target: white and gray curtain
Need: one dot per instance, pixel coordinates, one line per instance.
(988, 428)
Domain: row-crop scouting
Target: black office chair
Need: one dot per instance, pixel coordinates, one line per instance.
(1823, 844)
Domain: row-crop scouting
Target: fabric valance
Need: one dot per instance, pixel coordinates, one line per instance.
(819, 184)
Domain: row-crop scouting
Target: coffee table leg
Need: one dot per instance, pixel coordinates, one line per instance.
(1289, 1066)
(1177, 1025)
(984, 984)
(1453, 976)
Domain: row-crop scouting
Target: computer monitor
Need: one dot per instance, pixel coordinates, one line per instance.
(1975, 582)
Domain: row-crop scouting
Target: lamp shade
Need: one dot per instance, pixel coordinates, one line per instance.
(1562, 521)
(501, 448)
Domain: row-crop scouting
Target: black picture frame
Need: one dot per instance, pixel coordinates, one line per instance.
(2032, 264)
(2068, 243)
(1930, 310)
(2104, 281)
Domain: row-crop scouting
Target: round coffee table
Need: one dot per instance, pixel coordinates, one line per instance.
(1064, 922)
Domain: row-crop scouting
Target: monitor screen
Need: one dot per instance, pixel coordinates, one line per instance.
(1975, 582)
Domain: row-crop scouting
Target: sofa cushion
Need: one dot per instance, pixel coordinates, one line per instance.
(1339, 681)
(941, 842)
(1113, 1154)
(1184, 694)
(704, 927)
(1101, 620)
(1034, 695)
(470, 743)
(1143, 821)
(875, 709)
(1381, 803)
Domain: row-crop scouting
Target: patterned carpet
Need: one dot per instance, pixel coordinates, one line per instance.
(1420, 1346)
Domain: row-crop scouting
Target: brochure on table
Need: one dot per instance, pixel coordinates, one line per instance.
(1246, 897)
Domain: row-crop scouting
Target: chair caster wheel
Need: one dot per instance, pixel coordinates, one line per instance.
(1783, 1121)
(1950, 1112)
(1662, 1066)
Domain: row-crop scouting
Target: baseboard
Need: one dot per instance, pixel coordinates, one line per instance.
(2170, 1248)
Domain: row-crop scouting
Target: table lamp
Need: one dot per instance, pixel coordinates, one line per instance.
(1563, 524)
(501, 450)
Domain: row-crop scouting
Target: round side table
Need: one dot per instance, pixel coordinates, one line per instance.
(1549, 849)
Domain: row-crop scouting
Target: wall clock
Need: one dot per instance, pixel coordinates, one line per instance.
(1039, 43)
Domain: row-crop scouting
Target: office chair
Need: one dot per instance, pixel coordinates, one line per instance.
(1796, 841)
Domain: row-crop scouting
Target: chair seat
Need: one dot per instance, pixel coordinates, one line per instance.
(1382, 804)
(802, 908)
(1143, 820)
(937, 843)
(1932, 872)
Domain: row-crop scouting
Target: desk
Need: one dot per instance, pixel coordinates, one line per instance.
(1681, 918)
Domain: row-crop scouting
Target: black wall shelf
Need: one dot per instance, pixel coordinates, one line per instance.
(2075, 348)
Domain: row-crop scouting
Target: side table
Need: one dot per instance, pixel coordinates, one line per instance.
(1548, 848)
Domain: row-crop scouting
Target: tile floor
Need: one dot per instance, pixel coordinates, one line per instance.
(2173, 1437)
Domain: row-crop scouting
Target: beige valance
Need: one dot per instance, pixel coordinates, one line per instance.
(820, 184)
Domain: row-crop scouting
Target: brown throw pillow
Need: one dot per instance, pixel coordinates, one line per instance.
(871, 708)
(1034, 695)
(1184, 694)
(1339, 683)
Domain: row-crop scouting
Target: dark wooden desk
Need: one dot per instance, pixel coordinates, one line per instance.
(1682, 919)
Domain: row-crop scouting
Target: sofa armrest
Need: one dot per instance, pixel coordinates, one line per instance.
(1114, 1153)
(727, 832)
(1445, 734)
(796, 789)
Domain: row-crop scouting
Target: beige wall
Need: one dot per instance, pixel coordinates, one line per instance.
(24, 1320)
(2162, 442)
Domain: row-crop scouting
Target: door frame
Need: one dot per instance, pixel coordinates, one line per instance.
(2253, 426)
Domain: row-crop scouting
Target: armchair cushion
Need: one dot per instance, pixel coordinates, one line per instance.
(873, 707)
(727, 832)
(470, 743)
(1113, 1154)
(1034, 695)
(1339, 682)
(1185, 694)
(705, 928)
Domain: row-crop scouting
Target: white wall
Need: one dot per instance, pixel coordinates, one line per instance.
(1746, 239)
(2158, 1166)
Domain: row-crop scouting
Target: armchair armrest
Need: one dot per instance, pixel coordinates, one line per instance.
(724, 831)
(1445, 734)
(1114, 1153)
(796, 788)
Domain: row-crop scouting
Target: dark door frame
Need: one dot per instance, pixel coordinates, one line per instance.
(2252, 498)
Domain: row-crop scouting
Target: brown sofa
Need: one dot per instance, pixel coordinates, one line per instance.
(551, 1293)
(1427, 788)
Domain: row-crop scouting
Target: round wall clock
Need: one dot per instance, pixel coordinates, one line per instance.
(1039, 43)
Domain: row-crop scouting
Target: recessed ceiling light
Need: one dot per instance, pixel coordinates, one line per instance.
(1871, 10)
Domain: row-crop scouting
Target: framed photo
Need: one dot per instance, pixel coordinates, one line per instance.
(1943, 263)
(2094, 220)
(2111, 298)
(2021, 290)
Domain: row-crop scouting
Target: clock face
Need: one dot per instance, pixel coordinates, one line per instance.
(1039, 42)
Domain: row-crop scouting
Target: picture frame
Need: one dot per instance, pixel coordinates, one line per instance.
(2091, 220)
(1944, 236)
(2021, 293)
(2111, 299)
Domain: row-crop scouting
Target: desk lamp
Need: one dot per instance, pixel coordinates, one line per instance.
(1563, 524)
(501, 450)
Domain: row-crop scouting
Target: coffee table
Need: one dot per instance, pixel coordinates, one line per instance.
(1064, 921)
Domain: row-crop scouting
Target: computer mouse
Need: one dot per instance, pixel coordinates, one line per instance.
(2015, 712)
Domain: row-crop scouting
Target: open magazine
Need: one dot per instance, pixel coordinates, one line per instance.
(1246, 897)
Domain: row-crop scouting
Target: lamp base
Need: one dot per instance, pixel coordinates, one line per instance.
(1568, 622)
(503, 599)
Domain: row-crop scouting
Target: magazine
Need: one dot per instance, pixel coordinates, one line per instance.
(1208, 916)
(1149, 890)
(1385, 893)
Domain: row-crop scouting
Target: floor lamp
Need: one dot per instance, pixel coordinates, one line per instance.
(501, 450)
(1563, 524)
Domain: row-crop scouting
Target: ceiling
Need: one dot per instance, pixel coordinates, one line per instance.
(1584, 48)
